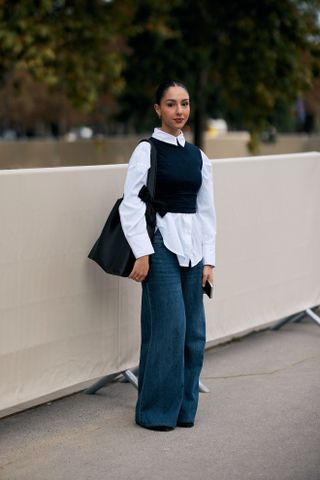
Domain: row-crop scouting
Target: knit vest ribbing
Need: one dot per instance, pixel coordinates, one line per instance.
(179, 176)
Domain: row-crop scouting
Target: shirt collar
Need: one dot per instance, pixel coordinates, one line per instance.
(168, 138)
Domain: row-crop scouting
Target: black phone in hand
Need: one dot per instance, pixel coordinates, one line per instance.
(208, 289)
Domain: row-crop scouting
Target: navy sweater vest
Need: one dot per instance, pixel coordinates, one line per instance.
(179, 176)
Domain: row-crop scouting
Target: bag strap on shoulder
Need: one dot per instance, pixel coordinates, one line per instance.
(151, 181)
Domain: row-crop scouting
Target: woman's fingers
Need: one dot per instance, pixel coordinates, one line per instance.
(204, 279)
(140, 271)
(207, 274)
(138, 277)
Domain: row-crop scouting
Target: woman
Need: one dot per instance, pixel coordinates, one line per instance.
(173, 267)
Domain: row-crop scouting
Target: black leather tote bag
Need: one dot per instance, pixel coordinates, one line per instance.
(111, 251)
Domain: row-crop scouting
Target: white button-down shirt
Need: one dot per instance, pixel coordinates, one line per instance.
(191, 236)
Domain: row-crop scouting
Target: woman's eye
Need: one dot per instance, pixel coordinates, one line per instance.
(186, 104)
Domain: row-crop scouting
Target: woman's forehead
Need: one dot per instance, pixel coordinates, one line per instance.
(176, 93)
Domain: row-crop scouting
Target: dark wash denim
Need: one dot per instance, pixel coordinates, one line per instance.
(172, 340)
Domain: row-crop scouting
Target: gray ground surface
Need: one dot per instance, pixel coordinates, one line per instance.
(260, 421)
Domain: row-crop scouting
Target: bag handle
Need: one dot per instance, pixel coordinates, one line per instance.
(151, 181)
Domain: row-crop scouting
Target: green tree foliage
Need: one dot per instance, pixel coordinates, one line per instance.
(271, 57)
(240, 58)
(73, 46)
(153, 49)
(243, 59)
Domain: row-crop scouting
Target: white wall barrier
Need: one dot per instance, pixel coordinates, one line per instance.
(64, 322)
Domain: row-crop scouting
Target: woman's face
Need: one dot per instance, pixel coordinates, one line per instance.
(174, 110)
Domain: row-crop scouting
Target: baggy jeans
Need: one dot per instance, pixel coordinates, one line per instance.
(172, 340)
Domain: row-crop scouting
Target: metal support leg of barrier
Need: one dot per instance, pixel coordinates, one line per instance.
(203, 388)
(125, 379)
(131, 377)
(102, 383)
(313, 315)
(292, 318)
(297, 318)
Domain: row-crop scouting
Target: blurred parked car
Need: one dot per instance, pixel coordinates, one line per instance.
(81, 133)
(216, 127)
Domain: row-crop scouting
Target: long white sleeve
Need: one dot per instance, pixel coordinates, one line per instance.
(206, 213)
(132, 208)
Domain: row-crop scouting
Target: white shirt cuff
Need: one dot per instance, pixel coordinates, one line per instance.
(209, 257)
(140, 244)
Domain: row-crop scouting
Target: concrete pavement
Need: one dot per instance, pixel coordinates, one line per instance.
(261, 420)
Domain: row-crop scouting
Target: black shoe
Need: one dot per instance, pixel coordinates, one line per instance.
(185, 424)
(158, 428)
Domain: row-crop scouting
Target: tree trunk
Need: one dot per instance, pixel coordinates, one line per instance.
(200, 108)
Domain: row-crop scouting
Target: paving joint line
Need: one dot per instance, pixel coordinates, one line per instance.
(261, 373)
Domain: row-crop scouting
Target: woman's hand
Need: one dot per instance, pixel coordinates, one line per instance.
(207, 274)
(140, 269)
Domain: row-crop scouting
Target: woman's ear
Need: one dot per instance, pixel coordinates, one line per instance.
(157, 109)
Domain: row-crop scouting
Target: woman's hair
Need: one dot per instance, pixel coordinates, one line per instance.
(164, 86)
